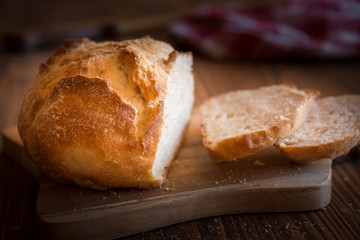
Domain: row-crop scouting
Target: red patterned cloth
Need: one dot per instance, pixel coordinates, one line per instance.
(295, 29)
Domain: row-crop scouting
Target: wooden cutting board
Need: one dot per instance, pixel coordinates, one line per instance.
(196, 187)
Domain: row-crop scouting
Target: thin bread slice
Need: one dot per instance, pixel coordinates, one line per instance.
(239, 123)
(331, 129)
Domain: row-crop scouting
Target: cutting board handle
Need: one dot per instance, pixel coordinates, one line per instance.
(12, 146)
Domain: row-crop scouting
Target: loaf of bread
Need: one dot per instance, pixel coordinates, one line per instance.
(331, 129)
(108, 114)
(239, 123)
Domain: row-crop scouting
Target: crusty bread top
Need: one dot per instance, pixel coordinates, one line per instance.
(96, 109)
(331, 129)
(143, 62)
(239, 123)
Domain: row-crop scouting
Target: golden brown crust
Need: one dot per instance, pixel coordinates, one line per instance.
(169, 63)
(67, 122)
(152, 135)
(148, 77)
(244, 145)
(84, 122)
(309, 154)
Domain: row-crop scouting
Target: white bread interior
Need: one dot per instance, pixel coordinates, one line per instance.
(178, 105)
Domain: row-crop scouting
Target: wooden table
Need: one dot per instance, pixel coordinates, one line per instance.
(340, 220)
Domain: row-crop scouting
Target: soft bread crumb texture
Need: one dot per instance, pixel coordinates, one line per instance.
(96, 112)
(331, 129)
(239, 123)
(178, 104)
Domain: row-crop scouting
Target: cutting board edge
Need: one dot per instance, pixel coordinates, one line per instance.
(134, 217)
(320, 190)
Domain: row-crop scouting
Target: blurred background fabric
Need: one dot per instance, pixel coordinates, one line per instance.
(294, 29)
(261, 29)
(26, 25)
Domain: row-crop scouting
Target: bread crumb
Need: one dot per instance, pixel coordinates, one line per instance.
(168, 189)
(112, 193)
(259, 163)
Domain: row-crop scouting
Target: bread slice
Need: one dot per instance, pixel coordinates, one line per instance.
(239, 123)
(108, 114)
(331, 129)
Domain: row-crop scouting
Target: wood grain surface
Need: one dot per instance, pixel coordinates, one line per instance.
(339, 220)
